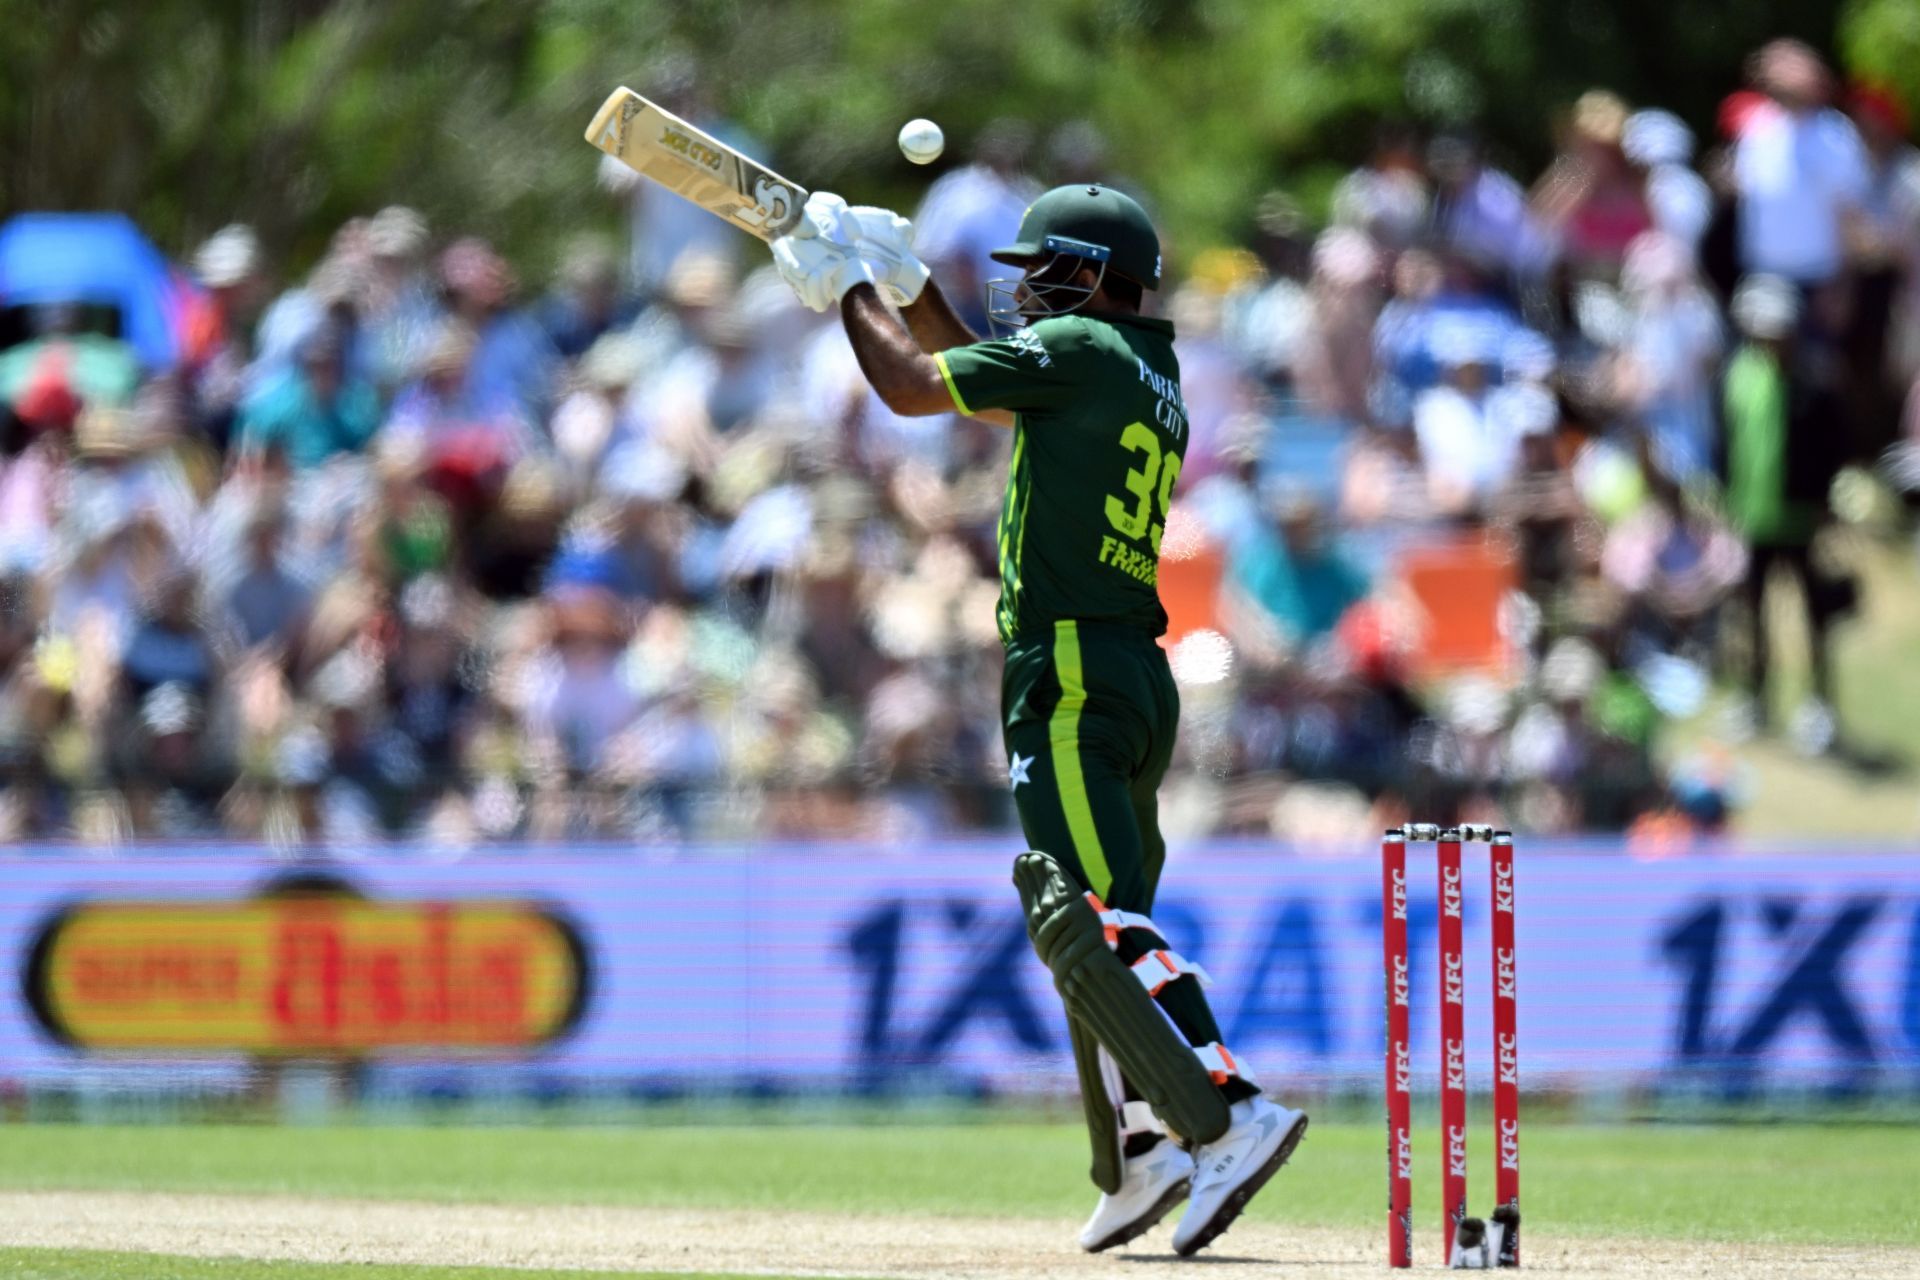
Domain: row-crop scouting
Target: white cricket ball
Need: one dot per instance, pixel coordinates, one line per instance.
(921, 141)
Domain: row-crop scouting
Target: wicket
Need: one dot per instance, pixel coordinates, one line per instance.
(1453, 1036)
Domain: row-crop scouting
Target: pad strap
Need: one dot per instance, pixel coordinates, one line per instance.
(1113, 922)
(1138, 1117)
(1157, 968)
(1222, 1066)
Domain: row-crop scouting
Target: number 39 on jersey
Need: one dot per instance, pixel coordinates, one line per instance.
(1141, 513)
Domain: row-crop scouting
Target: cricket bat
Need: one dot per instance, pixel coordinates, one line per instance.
(657, 144)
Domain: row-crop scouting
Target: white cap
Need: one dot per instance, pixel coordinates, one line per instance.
(1524, 410)
(1656, 137)
(397, 232)
(642, 473)
(1528, 353)
(1345, 256)
(1454, 341)
(1766, 307)
(1654, 260)
(228, 257)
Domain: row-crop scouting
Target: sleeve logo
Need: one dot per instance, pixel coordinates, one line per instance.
(1027, 342)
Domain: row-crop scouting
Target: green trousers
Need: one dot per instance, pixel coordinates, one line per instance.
(1088, 714)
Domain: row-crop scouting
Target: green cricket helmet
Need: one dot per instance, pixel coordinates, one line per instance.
(1064, 230)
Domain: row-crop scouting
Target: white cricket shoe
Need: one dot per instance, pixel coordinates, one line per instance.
(1152, 1185)
(1228, 1171)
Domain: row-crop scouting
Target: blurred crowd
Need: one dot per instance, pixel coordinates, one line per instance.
(1486, 485)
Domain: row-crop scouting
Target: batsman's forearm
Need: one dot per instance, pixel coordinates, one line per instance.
(904, 377)
(931, 320)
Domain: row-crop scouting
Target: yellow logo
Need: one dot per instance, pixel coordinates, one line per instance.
(306, 974)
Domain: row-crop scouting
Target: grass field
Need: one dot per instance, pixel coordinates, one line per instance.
(1787, 1185)
(101, 1264)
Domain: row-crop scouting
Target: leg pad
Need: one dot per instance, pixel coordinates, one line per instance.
(1103, 1126)
(1104, 994)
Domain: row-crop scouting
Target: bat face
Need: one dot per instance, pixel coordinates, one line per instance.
(659, 145)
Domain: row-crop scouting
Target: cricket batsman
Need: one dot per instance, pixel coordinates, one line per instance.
(1091, 391)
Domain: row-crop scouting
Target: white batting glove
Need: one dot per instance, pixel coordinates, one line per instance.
(824, 217)
(885, 241)
(819, 271)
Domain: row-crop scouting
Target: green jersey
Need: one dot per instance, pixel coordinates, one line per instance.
(1098, 441)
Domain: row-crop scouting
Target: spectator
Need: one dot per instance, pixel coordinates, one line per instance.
(1300, 578)
(1469, 453)
(513, 359)
(1799, 169)
(315, 411)
(430, 698)
(331, 299)
(1671, 355)
(268, 605)
(587, 303)
(1386, 198)
(438, 514)
(1593, 199)
(1886, 249)
(399, 303)
(462, 431)
(1334, 362)
(1213, 384)
(1678, 199)
(1480, 212)
(169, 646)
(1541, 505)
(580, 698)
(172, 775)
(217, 333)
(1781, 459)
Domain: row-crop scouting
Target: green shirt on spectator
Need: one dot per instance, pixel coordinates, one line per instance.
(1756, 412)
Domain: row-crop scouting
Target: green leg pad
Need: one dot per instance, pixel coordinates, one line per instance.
(1103, 1113)
(1102, 994)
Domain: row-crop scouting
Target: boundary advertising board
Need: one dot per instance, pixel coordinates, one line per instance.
(845, 970)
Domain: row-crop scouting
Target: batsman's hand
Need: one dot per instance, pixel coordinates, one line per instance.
(824, 217)
(885, 241)
(819, 270)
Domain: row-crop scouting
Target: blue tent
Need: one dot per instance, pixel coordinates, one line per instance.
(93, 258)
